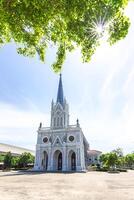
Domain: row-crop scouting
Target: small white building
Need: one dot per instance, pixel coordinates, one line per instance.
(61, 147)
(93, 157)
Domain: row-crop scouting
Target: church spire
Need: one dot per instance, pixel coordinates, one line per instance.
(60, 97)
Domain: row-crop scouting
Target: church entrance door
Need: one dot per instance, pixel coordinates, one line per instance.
(73, 161)
(60, 161)
(57, 161)
(45, 161)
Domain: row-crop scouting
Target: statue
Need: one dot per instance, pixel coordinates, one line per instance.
(40, 125)
(77, 123)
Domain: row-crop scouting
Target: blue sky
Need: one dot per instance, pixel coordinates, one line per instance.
(99, 93)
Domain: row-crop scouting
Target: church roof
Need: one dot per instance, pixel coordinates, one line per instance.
(60, 96)
(93, 152)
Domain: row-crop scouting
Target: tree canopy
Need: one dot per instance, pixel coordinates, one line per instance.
(17, 161)
(8, 160)
(25, 159)
(116, 159)
(34, 25)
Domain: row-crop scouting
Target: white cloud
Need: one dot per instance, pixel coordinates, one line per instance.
(15, 118)
(106, 133)
(19, 127)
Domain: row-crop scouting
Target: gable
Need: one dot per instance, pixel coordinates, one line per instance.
(57, 141)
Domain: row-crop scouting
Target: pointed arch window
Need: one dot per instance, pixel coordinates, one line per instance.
(61, 121)
(58, 121)
(54, 121)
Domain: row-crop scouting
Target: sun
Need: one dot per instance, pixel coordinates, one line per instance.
(98, 29)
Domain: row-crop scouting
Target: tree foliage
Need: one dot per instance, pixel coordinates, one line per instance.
(1, 158)
(25, 159)
(116, 159)
(34, 25)
(8, 160)
(15, 161)
(119, 152)
(130, 160)
(20, 161)
(109, 159)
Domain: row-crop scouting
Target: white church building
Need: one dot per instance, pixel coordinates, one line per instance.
(61, 147)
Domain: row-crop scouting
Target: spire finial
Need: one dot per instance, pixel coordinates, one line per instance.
(60, 98)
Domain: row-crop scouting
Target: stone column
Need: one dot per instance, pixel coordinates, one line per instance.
(49, 168)
(78, 160)
(36, 162)
(51, 160)
(64, 159)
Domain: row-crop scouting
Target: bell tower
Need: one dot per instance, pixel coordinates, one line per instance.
(59, 110)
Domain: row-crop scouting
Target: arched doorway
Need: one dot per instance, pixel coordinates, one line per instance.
(72, 161)
(60, 161)
(57, 161)
(45, 161)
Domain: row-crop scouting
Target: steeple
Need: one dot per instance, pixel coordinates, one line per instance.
(59, 113)
(60, 97)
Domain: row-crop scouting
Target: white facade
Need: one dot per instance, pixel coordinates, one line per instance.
(93, 157)
(60, 147)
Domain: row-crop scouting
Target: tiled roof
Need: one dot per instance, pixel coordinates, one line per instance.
(93, 152)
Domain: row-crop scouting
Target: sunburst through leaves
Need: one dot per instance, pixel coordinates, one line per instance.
(98, 28)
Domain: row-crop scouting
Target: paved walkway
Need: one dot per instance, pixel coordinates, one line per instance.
(77, 186)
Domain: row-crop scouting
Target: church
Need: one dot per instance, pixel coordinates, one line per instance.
(61, 147)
